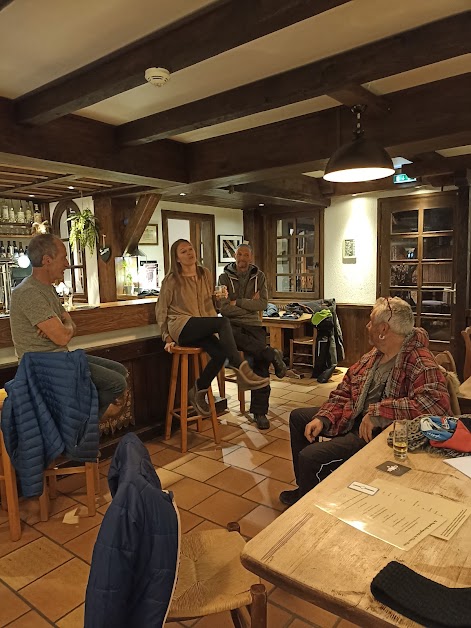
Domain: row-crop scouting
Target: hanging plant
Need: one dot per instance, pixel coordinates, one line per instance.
(83, 229)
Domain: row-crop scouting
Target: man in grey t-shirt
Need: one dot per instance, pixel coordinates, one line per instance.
(39, 322)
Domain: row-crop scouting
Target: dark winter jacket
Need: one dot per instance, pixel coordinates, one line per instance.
(135, 559)
(247, 310)
(51, 408)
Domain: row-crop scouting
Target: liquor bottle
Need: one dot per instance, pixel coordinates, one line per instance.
(3, 252)
(20, 217)
(12, 215)
(9, 249)
(21, 250)
(28, 214)
(37, 214)
(15, 250)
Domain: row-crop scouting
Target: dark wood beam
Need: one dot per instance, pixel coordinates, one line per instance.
(4, 3)
(42, 183)
(351, 95)
(433, 114)
(435, 164)
(421, 46)
(300, 189)
(212, 30)
(77, 145)
(139, 220)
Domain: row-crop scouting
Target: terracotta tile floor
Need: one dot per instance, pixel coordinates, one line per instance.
(43, 577)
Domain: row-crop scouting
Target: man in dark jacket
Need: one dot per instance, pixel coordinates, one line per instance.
(248, 297)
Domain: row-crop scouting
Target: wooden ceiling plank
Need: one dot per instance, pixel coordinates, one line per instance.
(77, 145)
(39, 184)
(139, 220)
(352, 95)
(214, 29)
(430, 114)
(443, 39)
(299, 189)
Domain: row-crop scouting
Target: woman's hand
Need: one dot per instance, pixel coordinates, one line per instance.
(169, 344)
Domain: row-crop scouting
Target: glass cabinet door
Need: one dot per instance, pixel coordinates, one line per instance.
(417, 260)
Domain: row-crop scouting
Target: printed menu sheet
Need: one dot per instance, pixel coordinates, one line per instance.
(397, 515)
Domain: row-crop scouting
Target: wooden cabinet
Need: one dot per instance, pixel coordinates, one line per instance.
(417, 259)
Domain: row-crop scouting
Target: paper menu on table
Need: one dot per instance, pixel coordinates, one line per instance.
(378, 515)
(454, 513)
(462, 464)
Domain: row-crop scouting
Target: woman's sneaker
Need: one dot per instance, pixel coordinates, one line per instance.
(247, 379)
(197, 398)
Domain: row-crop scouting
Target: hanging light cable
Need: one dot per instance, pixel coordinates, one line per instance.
(360, 160)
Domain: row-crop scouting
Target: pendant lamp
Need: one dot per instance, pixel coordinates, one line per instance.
(360, 160)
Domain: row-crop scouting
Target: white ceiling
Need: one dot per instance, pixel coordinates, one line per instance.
(41, 41)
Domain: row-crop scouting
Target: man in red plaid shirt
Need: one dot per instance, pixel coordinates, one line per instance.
(398, 379)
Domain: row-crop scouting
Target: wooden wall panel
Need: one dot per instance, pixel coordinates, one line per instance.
(353, 320)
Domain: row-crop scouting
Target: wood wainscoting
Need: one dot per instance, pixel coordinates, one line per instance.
(353, 320)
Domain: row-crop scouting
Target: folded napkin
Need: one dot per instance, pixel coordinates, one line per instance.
(420, 599)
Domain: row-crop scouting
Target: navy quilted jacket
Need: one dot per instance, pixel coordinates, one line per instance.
(135, 558)
(51, 408)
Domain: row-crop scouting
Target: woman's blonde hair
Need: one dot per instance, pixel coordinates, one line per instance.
(175, 266)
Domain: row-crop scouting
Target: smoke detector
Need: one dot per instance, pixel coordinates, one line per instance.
(157, 76)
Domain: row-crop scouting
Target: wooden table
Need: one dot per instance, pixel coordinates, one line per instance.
(276, 326)
(323, 560)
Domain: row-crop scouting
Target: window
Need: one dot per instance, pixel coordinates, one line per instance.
(294, 269)
(76, 275)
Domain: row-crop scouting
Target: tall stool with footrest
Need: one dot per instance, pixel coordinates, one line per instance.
(8, 489)
(180, 356)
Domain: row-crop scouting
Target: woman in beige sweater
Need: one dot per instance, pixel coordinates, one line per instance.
(186, 315)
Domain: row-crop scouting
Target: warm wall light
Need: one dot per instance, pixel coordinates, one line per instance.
(360, 160)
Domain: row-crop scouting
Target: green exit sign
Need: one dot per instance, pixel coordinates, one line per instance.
(402, 178)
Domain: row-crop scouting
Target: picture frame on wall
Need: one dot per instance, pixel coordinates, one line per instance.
(150, 235)
(227, 245)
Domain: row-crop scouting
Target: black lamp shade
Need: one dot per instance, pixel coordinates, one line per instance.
(360, 160)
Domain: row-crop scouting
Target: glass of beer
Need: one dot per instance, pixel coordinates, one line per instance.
(400, 439)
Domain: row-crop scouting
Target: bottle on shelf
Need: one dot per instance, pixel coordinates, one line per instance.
(15, 250)
(3, 252)
(12, 214)
(9, 249)
(28, 214)
(21, 214)
(21, 250)
(37, 214)
(5, 213)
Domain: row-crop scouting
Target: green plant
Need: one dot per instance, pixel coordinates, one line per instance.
(83, 229)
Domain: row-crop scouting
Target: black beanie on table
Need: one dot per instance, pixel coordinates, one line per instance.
(420, 599)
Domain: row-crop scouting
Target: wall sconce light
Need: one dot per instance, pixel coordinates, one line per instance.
(360, 160)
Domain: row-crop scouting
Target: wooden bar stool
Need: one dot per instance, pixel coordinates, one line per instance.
(8, 489)
(180, 366)
(223, 377)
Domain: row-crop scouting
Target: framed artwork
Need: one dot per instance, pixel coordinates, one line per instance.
(227, 245)
(348, 249)
(150, 235)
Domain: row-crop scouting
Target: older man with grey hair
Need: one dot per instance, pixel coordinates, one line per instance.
(398, 379)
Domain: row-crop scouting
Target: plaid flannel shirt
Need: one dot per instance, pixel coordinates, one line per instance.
(415, 386)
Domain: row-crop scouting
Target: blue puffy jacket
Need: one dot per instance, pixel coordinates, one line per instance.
(51, 408)
(135, 558)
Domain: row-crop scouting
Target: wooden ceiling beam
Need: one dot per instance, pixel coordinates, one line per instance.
(299, 189)
(139, 220)
(77, 145)
(432, 114)
(352, 95)
(412, 49)
(4, 3)
(42, 183)
(221, 26)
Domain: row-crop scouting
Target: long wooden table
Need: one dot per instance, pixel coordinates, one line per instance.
(277, 325)
(323, 560)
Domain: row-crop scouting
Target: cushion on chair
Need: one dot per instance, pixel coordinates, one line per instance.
(211, 578)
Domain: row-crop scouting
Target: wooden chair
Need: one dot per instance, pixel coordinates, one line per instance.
(8, 489)
(466, 333)
(92, 482)
(446, 361)
(211, 579)
(180, 366)
(303, 341)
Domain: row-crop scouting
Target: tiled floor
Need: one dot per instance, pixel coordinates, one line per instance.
(43, 577)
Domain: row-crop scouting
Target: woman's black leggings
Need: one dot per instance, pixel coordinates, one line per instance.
(199, 332)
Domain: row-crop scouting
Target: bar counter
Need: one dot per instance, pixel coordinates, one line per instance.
(124, 331)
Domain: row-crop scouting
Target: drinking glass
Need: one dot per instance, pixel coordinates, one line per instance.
(400, 439)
